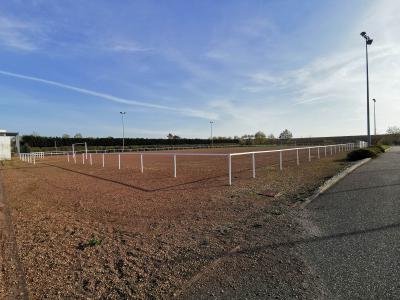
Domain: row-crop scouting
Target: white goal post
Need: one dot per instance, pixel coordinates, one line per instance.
(86, 149)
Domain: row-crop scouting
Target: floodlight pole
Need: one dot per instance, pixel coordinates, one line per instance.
(212, 141)
(374, 117)
(123, 130)
(368, 41)
(369, 130)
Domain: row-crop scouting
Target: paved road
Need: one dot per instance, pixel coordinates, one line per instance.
(357, 248)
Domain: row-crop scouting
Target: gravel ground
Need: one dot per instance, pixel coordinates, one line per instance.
(81, 236)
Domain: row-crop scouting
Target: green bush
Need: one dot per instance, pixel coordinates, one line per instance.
(383, 147)
(370, 152)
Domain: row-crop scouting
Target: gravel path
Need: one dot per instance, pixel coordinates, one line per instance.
(355, 246)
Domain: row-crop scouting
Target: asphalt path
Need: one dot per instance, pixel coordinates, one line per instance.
(355, 248)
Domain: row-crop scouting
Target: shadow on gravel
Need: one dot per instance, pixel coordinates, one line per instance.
(363, 188)
(21, 168)
(138, 187)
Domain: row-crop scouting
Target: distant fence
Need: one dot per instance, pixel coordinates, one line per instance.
(86, 158)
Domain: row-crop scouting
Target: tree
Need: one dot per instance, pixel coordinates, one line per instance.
(25, 148)
(171, 136)
(393, 130)
(259, 137)
(285, 135)
(271, 136)
(247, 139)
(65, 136)
(78, 136)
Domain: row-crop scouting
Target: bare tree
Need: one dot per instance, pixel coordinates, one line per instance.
(393, 130)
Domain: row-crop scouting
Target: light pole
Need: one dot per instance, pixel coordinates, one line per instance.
(211, 125)
(374, 116)
(368, 41)
(123, 130)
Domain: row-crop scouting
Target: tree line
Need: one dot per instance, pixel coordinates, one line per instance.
(43, 141)
(36, 141)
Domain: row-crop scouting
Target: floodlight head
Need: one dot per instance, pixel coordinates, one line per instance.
(363, 34)
(369, 41)
(374, 100)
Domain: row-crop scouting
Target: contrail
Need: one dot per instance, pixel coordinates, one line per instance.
(186, 111)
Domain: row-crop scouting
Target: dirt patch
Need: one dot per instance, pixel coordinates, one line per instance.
(12, 277)
(87, 232)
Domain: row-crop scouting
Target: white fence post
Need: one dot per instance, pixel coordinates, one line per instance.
(309, 154)
(280, 160)
(141, 163)
(68, 157)
(83, 159)
(230, 169)
(331, 150)
(90, 158)
(254, 165)
(297, 154)
(174, 165)
(325, 151)
(318, 152)
(103, 160)
(119, 161)
(34, 159)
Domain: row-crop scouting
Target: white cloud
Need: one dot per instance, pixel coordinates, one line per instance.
(184, 111)
(19, 35)
(125, 46)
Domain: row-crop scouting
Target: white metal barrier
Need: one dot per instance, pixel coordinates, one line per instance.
(336, 148)
(325, 150)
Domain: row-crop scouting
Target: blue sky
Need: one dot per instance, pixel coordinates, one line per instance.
(72, 66)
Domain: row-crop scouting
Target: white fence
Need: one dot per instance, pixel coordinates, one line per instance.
(86, 158)
(333, 149)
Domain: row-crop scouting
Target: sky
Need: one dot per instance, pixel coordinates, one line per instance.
(70, 67)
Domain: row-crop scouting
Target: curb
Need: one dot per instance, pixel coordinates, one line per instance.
(332, 181)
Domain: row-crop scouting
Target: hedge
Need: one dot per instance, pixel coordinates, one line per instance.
(42, 141)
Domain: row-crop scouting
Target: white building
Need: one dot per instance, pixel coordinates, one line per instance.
(5, 145)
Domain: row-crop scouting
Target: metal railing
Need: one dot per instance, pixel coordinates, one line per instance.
(87, 157)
